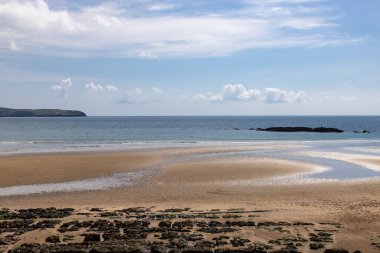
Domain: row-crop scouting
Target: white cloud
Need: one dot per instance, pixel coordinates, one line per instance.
(133, 96)
(93, 87)
(157, 91)
(275, 95)
(215, 98)
(340, 98)
(231, 92)
(63, 87)
(13, 46)
(111, 88)
(112, 29)
(238, 92)
(97, 87)
(161, 7)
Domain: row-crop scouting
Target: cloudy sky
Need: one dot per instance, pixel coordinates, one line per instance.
(191, 57)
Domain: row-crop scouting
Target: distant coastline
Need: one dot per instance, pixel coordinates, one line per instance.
(8, 112)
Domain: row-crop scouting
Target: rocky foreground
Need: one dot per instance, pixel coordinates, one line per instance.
(171, 230)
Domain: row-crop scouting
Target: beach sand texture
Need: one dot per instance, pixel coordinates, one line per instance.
(203, 184)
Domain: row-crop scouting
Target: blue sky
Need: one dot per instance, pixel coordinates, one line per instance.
(144, 57)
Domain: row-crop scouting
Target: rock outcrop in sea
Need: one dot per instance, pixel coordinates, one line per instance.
(301, 129)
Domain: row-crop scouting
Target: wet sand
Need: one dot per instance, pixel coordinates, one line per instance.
(354, 204)
(53, 168)
(223, 171)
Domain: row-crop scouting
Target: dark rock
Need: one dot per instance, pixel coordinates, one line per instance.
(321, 237)
(157, 248)
(231, 216)
(112, 235)
(46, 224)
(135, 234)
(300, 223)
(136, 230)
(41, 213)
(69, 226)
(18, 226)
(221, 240)
(8, 240)
(91, 238)
(67, 238)
(215, 230)
(203, 244)
(165, 224)
(215, 224)
(336, 250)
(4, 213)
(324, 234)
(109, 214)
(251, 250)
(137, 224)
(136, 210)
(237, 242)
(182, 224)
(101, 225)
(240, 223)
(192, 237)
(164, 217)
(301, 129)
(316, 246)
(287, 249)
(27, 248)
(53, 239)
(176, 210)
(196, 250)
(273, 224)
(179, 243)
(201, 224)
(65, 248)
(169, 235)
(116, 248)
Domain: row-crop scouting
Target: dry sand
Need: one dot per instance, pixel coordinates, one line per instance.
(354, 204)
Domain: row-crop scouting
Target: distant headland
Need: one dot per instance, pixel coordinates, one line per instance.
(8, 112)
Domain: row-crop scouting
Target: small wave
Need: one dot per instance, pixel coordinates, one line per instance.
(10, 142)
(99, 183)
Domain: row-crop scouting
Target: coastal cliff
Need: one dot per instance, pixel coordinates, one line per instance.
(8, 112)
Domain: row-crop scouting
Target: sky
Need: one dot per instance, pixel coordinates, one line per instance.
(191, 57)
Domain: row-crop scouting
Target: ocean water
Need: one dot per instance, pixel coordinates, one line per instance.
(45, 134)
(29, 135)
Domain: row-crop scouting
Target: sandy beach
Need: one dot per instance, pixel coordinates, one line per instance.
(203, 183)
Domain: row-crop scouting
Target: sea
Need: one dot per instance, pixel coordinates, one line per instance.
(28, 135)
(330, 152)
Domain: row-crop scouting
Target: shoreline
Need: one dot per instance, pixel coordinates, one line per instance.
(152, 145)
(23, 170)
